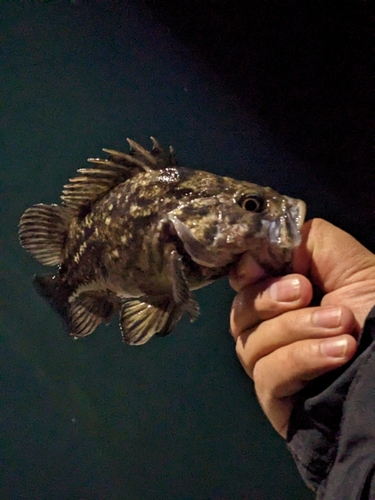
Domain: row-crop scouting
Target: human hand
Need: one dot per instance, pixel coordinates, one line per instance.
(283, 344)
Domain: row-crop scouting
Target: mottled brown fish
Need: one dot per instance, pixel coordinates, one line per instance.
(136, 233)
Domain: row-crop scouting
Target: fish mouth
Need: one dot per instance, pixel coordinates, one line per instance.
(298, 212)
(285, 230)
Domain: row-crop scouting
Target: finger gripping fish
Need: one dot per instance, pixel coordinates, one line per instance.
(136, 234)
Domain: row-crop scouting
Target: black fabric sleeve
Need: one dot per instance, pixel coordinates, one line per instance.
(332, 427)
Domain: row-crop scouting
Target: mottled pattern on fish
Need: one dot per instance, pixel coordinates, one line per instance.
(136, 233)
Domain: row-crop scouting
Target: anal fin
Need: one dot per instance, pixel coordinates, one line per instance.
(81, 314)
(140, 319)
(87, 311)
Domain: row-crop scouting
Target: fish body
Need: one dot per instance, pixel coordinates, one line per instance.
(136, 234)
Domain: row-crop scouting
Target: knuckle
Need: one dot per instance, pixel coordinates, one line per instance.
(258, 376)
(246, 355)
(266, 386)
(267, 308)
(302, 353)
(318, 226)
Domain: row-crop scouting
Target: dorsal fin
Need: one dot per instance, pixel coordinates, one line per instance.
(93, 183)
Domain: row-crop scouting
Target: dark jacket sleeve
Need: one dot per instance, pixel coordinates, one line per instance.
(332, 428)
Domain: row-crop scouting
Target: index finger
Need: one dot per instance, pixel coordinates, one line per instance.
(267, 299)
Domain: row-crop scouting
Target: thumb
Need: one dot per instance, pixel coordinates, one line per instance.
(331, 257)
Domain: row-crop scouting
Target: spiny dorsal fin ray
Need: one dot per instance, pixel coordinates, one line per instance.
(142, 154)
(94, 183)
(126, 161)
(42, 232)
(156, 148)
(172, 159)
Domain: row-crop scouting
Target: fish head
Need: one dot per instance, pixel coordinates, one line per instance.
(216, 229)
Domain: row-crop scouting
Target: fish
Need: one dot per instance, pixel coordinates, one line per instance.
(136, 233)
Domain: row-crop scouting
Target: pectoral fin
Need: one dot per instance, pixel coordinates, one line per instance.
(180, 286)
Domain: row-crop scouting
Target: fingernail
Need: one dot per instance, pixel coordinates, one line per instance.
(286, 290)
(334, 348)
(328, 317)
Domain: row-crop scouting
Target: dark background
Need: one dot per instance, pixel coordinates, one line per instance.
(277, 93)
(305, 71)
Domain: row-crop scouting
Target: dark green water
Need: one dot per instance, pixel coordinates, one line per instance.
(93, 419)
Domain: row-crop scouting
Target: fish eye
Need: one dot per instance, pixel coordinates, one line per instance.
(251, 203)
